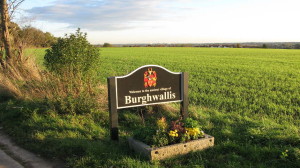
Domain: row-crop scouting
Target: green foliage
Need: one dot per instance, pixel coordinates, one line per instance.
(166, 134)
(73, 55)
(81, 104)
(160, 139)
(151, 136)
(284, 154)
(144, 134)
(76, 62)
(191, 123)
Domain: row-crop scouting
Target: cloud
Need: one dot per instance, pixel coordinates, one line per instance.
(105, 14)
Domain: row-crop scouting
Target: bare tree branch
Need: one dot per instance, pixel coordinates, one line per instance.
(13, 5)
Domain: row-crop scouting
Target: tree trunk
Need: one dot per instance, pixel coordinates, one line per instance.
(2, 56)
(1, 62)
(5, 31)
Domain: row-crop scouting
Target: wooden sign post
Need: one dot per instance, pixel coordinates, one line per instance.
(147, 85)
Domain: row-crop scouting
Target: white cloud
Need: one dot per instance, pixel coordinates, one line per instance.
(102, 15)
(154, 21)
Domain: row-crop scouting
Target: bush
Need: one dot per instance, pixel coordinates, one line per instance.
(72, 55)
(76, 63)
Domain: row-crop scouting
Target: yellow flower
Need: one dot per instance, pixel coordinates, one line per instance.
(173, 133)
(162, 123)
(193, 131)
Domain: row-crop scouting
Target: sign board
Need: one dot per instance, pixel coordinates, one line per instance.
(147, 85)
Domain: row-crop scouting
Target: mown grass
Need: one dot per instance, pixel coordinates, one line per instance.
(248, 99)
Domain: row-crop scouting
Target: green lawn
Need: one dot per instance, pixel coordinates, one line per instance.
(248, 99)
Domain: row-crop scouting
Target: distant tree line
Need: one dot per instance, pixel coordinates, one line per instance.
(106, 45)
(28, 36)
(275, 45)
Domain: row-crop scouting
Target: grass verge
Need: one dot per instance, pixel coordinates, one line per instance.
(83, 140)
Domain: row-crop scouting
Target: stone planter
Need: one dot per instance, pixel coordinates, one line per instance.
(170, 150)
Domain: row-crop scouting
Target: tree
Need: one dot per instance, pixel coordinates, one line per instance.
(49, 40)
(4, 29)
(30, 36)
(107, 45)
(264, 46)
(7, 9)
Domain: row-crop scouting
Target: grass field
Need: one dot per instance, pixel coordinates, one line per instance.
(243, 81)
(248, 99)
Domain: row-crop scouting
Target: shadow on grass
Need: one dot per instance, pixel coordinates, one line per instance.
(79, 140)
(83, 140)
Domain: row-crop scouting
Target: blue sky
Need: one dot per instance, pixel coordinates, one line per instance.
(167, 21)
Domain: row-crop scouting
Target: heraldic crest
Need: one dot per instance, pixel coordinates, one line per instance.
(150, 78)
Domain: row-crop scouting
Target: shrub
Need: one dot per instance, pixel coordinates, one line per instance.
(72, 55)
(76, 63)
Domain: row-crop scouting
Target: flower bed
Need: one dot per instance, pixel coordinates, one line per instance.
(165, 139)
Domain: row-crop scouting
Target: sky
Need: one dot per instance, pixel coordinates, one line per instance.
(166, 21)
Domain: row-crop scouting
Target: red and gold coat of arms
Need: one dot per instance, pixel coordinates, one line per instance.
(150, 78)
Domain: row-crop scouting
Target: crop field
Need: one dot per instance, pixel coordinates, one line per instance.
(243, 81)
(248, 99)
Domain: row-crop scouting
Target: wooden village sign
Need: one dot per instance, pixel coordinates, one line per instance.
(147, 85)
